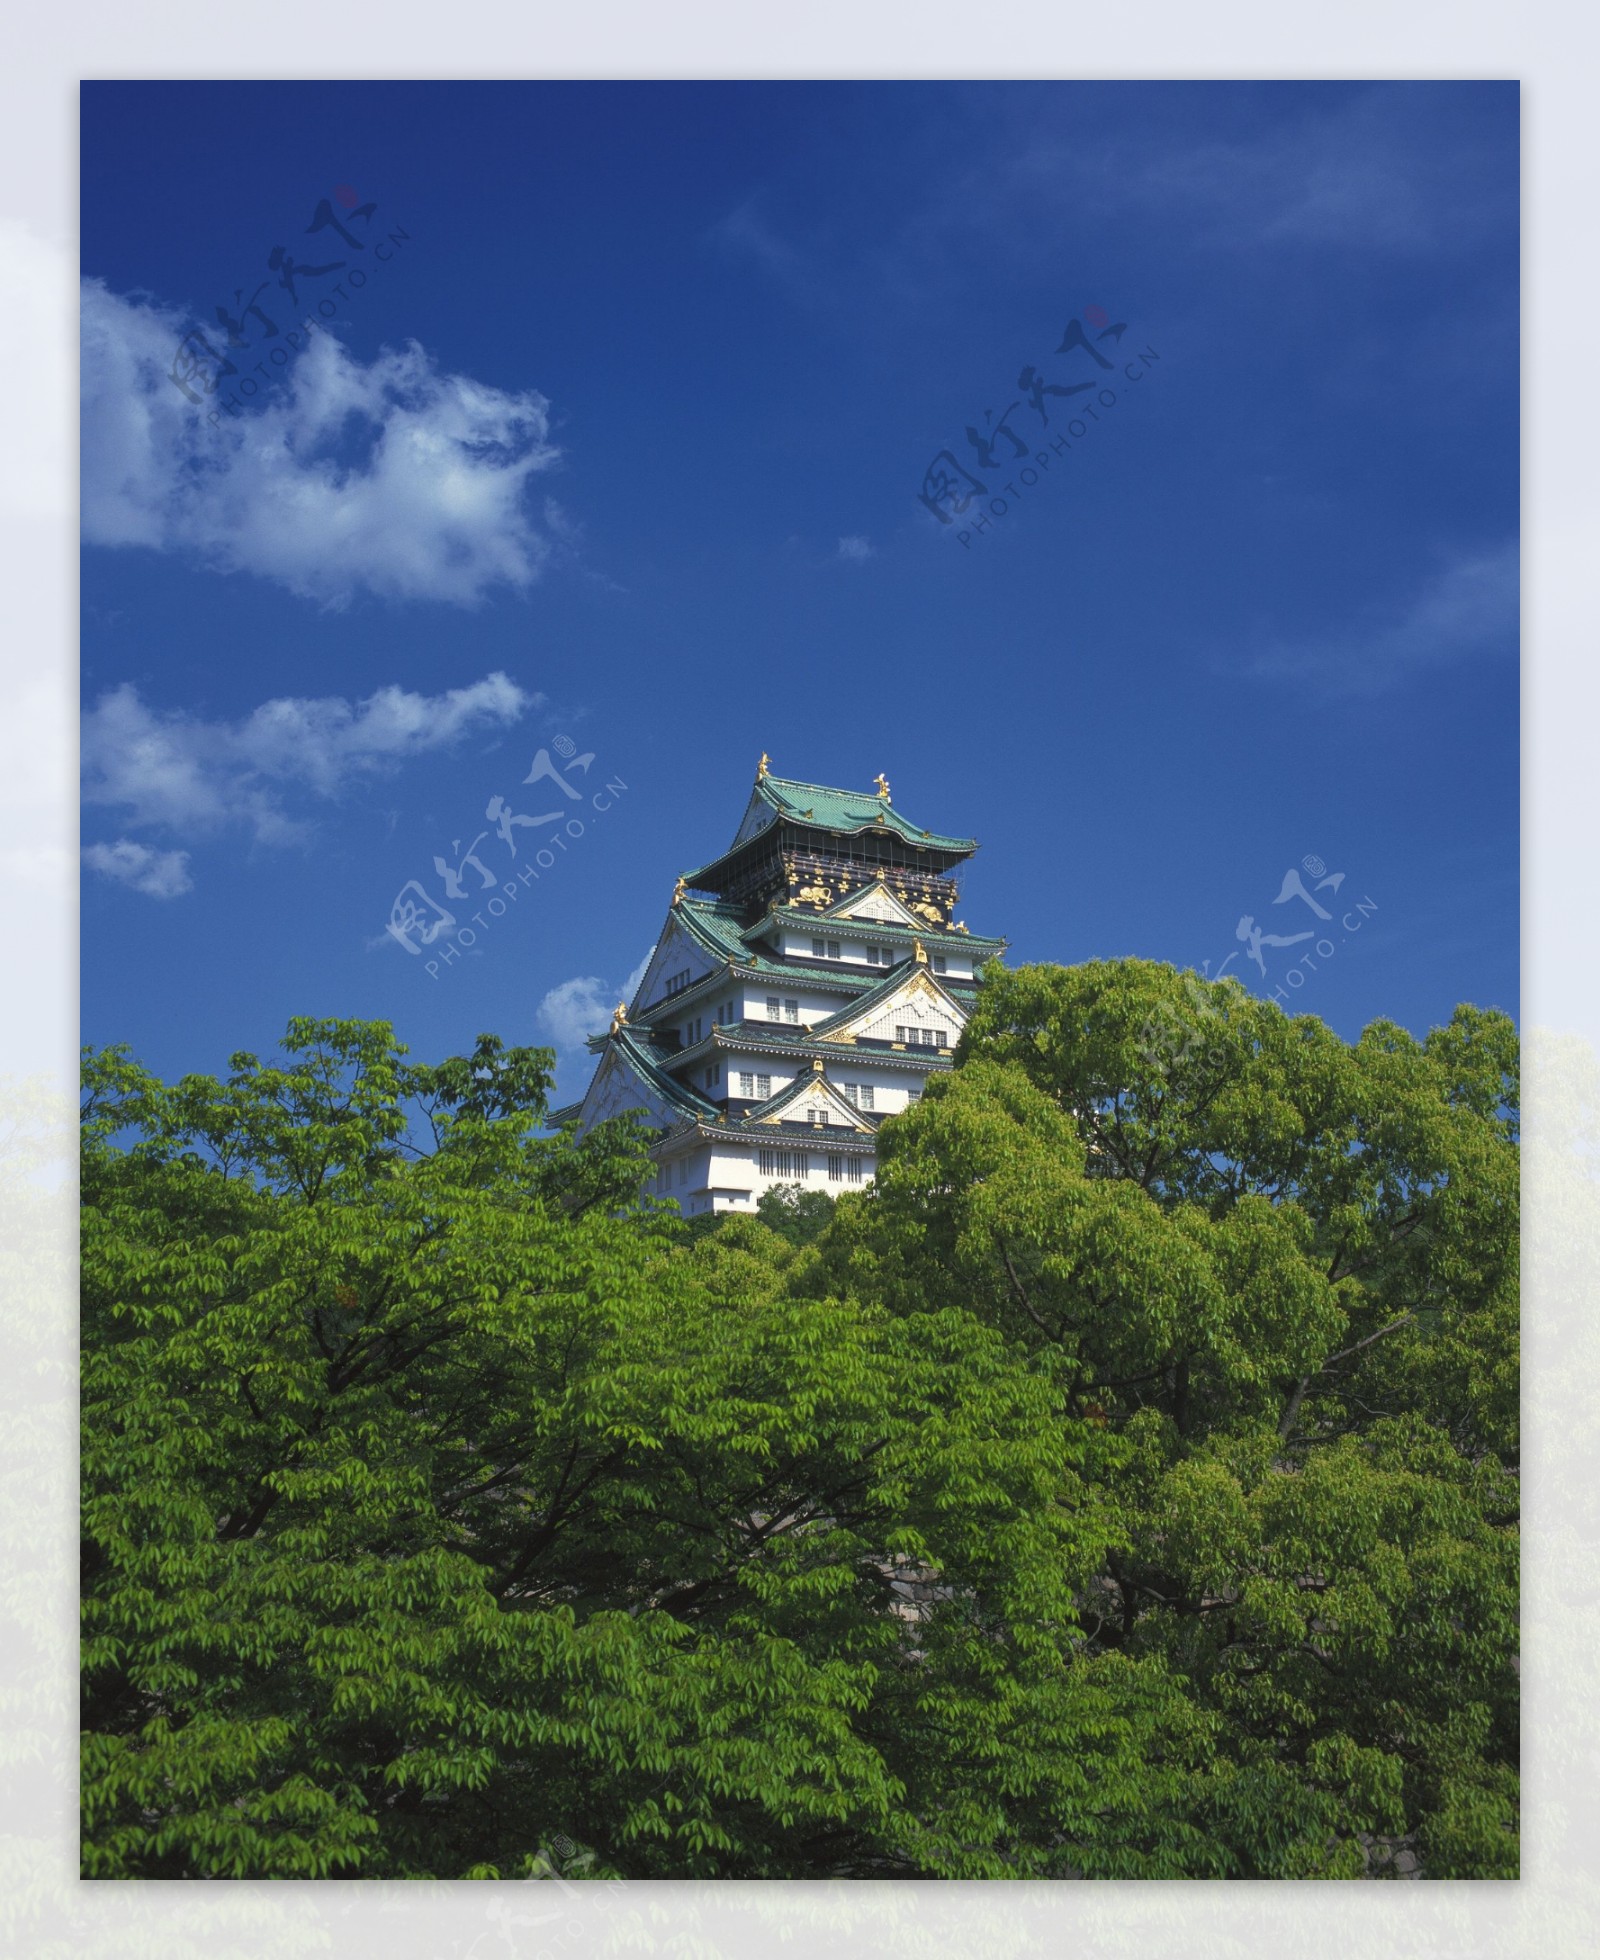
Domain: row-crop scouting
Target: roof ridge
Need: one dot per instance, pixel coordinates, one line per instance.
(676, 1092)
(894, 979)
(802, 782)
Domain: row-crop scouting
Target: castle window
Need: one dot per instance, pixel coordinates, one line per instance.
(783, 1163)
(747, 1084)
(678, 982)
(843, 1169)
(819, 1117)
(791, 1010)
(774, 1008)
(938, 963)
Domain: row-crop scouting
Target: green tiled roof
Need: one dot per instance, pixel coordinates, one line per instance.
(644, 1057)
(848, 810)
(786, 1039)
(820, 926)
(793, 1092)
(884, 990)
(716, 927)
(738, 1129)
(720, 929)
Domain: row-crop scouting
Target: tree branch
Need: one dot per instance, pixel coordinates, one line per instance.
(1291, 1412)
(1344, 1354)
(1021, 1291)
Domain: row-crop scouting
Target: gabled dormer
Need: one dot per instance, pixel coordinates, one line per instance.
(813, 1100)
(679, 962)
(630, 1076)
(877, 903)
(911, 1010)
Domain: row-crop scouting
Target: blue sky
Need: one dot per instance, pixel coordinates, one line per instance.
(617, 453)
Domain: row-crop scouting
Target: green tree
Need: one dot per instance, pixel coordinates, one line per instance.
(794, 1213)
(1281, 1271)
(441, 1498)
(1125, 1486)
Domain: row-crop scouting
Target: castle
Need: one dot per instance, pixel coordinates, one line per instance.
(805, 986)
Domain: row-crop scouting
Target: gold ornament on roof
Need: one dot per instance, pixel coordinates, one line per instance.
(761, 766)
(816, 1064)
(882, 782)
(619, 1016)
(920, 951)
(678, 891)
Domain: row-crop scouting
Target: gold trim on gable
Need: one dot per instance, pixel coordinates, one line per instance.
(832, 1099)
(858, 894)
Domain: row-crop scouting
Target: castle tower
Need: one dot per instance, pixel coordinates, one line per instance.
(805, 985)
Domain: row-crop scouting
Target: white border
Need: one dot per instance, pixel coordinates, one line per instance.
(1555, 1910)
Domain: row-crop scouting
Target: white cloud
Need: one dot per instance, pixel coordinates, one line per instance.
(389, 477)
(857, 551)
(158, 874)
(1469, 609)
(576, 1009)
(179, 772)
(580, 1007)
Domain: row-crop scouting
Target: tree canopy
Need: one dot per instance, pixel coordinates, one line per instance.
(1124, 1486)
